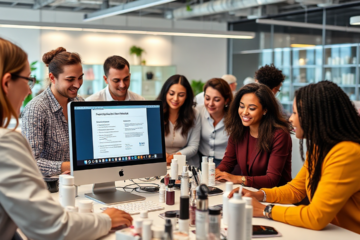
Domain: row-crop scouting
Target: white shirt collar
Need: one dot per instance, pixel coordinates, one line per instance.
(110, 98)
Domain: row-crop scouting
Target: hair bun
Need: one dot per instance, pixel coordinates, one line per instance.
(49, 56)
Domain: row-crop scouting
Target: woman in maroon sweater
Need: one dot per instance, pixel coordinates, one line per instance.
(259, 141)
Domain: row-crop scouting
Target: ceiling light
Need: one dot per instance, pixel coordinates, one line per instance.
(299, 45)
(136, 30)
(355, 20)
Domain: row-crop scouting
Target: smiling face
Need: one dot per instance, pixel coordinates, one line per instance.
(250, 110)
(176, 96)
(18, 89)
(119, 82)
(295, 121)
(214, 101)
(68, 83)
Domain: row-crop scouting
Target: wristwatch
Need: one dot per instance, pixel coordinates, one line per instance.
(243, 179)
(268, 210)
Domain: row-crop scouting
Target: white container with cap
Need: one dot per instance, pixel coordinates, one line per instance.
(228, 189)
(138, 226)
(249, 216)
(157, 232)
(204, 170)
(184, 182)
(162, 193)
(86, 206)
(144, 215)
(67, 191)
(211, 172)
(237, 224)
(174, 169)
(146, 230)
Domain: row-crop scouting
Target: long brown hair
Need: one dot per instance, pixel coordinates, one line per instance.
(223, 88)
(268, 124)
(12, 60)
(186, 113)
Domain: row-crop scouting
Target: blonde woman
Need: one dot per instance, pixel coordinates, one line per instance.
(25, 202)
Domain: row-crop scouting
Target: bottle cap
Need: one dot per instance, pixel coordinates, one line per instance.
(229, 186)
(184, 207)
(185, 174)
(170, 185)
(237, 196)
(172, 181)
(174, 161)
(248, 201)
(211, 159)
(157, 231)
(215, 210)
(170, 214)
(138, 223)
(144, 214)
(202, 192)
(185, 169)
(67, 180)
(85, 204)
(204, 159)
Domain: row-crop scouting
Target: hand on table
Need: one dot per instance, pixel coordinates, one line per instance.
(258, 196)
(225, 177)
(118, 217)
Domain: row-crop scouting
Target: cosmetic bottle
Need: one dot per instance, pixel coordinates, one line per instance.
(228, 189)
(202, 214)
(174, 169)
(67, 191)
(215, 221)
(168, 233)
(162, 193)
(170, 195)
(211, 172)
(248, 216)
(204, 170)
(193, 204)
(236, 225)
(184, 214)
(184, 183)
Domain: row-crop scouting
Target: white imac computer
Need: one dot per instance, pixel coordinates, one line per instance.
(115, 141)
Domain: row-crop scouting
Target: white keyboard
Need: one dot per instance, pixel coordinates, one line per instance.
(136, 207)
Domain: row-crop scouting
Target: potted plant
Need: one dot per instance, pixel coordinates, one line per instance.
(33, 68)
(197, 86)
(136, 52)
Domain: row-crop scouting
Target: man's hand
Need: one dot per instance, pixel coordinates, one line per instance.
(118, 217)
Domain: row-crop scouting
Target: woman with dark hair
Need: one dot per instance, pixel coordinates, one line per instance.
(181, 121)
(259, 140)
(324, 116)
(214, 138)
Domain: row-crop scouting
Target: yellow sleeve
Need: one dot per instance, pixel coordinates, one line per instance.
(339, 181)
(292, 192)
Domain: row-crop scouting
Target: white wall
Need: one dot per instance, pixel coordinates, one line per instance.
(196, 58)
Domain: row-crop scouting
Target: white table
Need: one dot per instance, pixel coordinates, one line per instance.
(331, 232)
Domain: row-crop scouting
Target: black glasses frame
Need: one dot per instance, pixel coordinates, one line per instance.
(31, 80)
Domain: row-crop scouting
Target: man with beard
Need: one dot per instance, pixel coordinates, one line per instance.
(45, 119)
(117, 77)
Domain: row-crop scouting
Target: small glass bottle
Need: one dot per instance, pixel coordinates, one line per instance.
(170, 195)
(193, 205)
(214, 221)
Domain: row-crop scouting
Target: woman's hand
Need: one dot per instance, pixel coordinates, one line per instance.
(118, 217)
(226, 177)
(259, 195)
(258, 208)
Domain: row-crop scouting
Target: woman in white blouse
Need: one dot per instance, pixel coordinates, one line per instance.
(25, 202)
(214, 138)
(181, 120)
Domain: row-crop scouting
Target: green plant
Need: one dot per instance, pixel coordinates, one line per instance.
(197, 86)
(33, 68)
(138, 51)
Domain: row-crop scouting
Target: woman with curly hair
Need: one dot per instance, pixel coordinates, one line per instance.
(259, 141)
(324, 116)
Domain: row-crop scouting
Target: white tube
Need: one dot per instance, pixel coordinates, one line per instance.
(204, 171)
(174, 169)
(236, 226)
(228, 189)
(184, 225)
(249, 216)
(184, 182)
(211, 172)
(67, 191)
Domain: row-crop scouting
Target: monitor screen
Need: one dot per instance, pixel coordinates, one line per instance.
(112, 134)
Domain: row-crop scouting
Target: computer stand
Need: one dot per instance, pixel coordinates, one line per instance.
(106, 193)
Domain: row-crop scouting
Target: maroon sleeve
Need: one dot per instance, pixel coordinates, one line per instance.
(229, 160)
(279, 154)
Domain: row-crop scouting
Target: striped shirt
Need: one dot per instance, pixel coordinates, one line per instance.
(45, 127)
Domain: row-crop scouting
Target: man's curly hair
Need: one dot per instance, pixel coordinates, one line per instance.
(269, 76)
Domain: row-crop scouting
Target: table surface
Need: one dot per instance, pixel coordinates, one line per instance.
(331, 232)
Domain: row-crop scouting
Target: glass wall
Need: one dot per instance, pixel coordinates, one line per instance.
(306, 54)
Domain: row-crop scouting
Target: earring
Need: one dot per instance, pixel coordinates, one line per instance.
(226, 105)
(264, 114)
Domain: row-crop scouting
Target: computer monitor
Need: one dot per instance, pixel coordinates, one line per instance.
(115, 141)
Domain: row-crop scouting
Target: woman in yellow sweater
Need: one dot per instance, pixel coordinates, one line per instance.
(330, 178)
